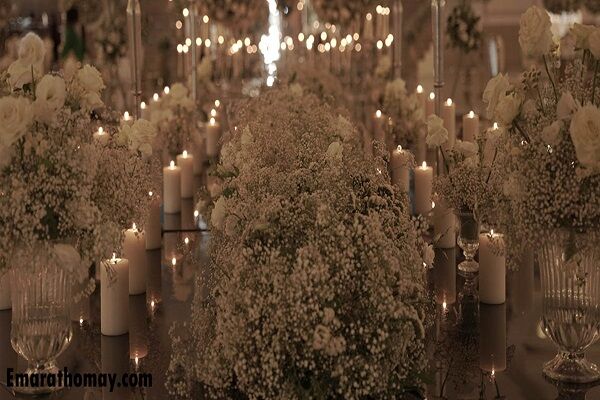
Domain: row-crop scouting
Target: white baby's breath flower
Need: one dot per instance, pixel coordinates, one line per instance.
(535, 35)
(494, 90)
(428, 255)
(67, 256)
(90, 79)
(551, 135)
(50, 96)
(328, 315)
(566, 106)
(321, 337)
(217, 216)
(508, 108)
(335, 151)
(585, 133)
(16, 116)
(567, 46)
(437, 134)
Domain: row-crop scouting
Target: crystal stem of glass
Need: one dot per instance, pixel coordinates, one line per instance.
(468, 240)
(571, 306)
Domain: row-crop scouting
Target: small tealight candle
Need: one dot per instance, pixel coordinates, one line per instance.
(127, 118)
(400, 168)
(114, 297)
(430, 105)
(101, 136)
(449, 118)
(470, 126)
(213, 135)
(378, 126)
(423, 189)
(153, 229)
(185, 161)
(492, 268)
(172, 188)
(134, 250)
(421, 98)
(213, 113)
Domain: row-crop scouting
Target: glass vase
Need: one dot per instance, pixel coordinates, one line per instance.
(571, 297)
(41, 325)
(468, 240)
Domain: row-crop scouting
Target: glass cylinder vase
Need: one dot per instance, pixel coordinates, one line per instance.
(41, 325)
(571, 298)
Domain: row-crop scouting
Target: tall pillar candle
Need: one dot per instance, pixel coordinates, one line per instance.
(430, 105)
(172, 188)
(401, 161)
(444, 225)
(421, 146)
(379, 126)
(449, 118)
(423, 189)
(470, 127)
(5, 302)
(134, 250)
(492, 343)
(492, 268)
(213, 136)
(185, 161)
(114, 297)
(153, 228)
(422, 99)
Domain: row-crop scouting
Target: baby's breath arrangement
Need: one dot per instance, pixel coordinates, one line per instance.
(406, 113)
(48, 165)
(318, 279)
(175, 117)
(552, 125)
(464, 28)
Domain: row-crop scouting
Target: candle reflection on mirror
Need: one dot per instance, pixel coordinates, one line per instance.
(138, 328)
(444, 272)
(492, 344)
(154, 283)
(115, 360)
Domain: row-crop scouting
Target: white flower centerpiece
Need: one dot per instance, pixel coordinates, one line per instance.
(318, 278)
(406, 113)
(552, 146)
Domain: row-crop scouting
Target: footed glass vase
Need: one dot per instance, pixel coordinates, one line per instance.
(571, 305)
(41, 324)
(468, 240)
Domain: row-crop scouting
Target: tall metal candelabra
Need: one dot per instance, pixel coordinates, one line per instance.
(437, 19)
(194, 76)
(134, 33)
(397, 15)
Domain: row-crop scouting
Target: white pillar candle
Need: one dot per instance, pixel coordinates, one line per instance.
(172, 188)
(153, 228)
(492, 347)
(430, 105)
(379, 126)
(144, 110)
(444, 276)
(213, 135)
(5, 302)
(470, 126)
(492, 268)
(101, 136)
(400, 168)
(114, 297)
(421, 98)
(449, 118)
(423, 187)
(134, 250)
(444, 225)
(185, 161)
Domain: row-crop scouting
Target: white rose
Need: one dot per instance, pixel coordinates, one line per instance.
(20, 74)
(334, 152)
(594, 42)
(15, 117)
(467, 149)
(437, 135)
(508, 108)
(535, 35)
(585, 133)
(567, 46)
(217, 216)
(67, 257)
(582, 34)
(566, 106)
(31, 49)
(551, 134)
(91, 101)
(50, 96)
(30, 62)
(428, 255)
(142, 132)
(495, 88)
(90, 79)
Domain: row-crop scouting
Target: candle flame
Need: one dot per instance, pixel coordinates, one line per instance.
(212, 121)
(495, 126)
(493, 373)
(213, 113)
(166, 90)
(432, 96)
(185, 153)
(217, 103)
(172, 164)
(114, 258)
(80, 321)
(173, 261)
(186, 240)
(449, 102)
(126, 115)
(419, 89)
(100, 130)
(424, 165)
(150, 194)
(143, 105)
(379, 171)
(492, 232)
(399, 148)
(378, 113)
(152, 304)
(134, 226)
(155, 97)
(196, 213)
(137, 360)
(444, 305)
(471, 114)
